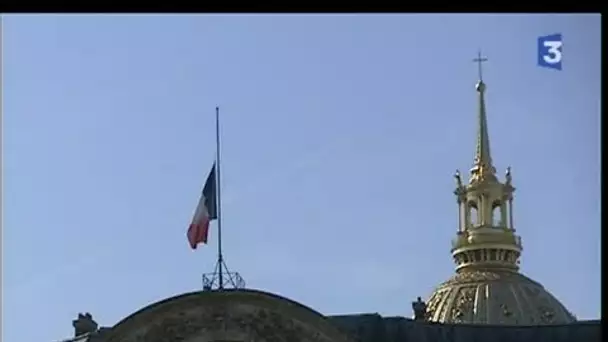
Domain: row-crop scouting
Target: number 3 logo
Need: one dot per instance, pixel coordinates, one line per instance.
(550, 52)
(554, 52)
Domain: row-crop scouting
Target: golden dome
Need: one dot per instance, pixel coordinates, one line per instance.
(487, 287)
(499, 297)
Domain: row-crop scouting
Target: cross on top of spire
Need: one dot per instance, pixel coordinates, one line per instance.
(482, 168)
(479, 60)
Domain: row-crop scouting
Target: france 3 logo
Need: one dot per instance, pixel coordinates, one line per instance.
(550, 51)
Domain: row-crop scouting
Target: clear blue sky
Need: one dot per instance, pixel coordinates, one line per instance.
(340, 137)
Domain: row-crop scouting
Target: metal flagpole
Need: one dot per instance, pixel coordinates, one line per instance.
(220, 256)
(233, 279)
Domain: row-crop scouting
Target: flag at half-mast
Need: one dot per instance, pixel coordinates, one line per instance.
(206, 211)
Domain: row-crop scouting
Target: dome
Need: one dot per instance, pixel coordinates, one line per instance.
(501, 297)
(487, 287)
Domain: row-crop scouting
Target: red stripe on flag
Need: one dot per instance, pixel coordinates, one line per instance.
(204, 213)
(198, 232)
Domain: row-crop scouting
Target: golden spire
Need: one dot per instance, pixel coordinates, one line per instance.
(483, 168)
(486, 236)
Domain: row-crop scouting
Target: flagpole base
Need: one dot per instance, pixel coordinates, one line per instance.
(231, 280)
(221, 278)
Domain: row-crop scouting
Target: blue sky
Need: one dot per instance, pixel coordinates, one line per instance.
(340, 137)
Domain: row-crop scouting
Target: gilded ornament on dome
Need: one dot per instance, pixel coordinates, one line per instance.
(464, 304)
(546, 313)
(473, 277)
(444, 307)
(506, 313)
(434, 302)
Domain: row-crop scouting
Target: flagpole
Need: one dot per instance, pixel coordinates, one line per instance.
(221, 271)
(220, 256)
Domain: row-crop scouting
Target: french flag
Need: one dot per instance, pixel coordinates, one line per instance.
(206, 211)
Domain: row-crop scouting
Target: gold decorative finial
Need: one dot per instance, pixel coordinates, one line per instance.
(458, 179)
(482, 168)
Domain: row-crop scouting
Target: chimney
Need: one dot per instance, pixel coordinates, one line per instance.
(84, 324)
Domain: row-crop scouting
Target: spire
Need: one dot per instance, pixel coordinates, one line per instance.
(486, 237)
(483, 168)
